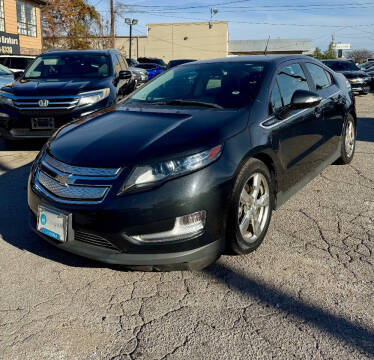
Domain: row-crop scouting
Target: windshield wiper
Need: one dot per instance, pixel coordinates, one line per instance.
(186, 102)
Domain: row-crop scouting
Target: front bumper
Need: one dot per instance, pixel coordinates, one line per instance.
(104, 231)
(360, 87)
(17, 125)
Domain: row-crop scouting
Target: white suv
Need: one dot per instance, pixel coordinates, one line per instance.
(16, 62)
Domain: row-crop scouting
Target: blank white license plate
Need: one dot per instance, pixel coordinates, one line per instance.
(52, 223)
(43, 123)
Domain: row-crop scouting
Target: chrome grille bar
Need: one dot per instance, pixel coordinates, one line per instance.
(73, 192)
(80, 171)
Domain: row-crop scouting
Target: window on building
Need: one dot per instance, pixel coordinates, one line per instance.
(2, 18)
(26, 18)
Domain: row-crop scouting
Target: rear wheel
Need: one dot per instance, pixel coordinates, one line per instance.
(348, 145)
(251, 207)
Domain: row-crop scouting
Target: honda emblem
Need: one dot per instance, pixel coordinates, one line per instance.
(43, 103)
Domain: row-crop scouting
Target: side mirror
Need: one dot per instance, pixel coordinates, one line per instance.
(17, 75)
(301, 99)
(125, 74)
(304, 99)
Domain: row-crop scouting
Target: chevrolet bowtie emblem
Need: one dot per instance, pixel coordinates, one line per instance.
(63, 180)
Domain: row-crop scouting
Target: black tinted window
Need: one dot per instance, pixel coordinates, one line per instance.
(4, 61)
(276, 99)
(320, 77)
(341, 65)
(291, 78)
(19, 63)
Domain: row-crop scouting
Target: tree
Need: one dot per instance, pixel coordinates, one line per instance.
(359, 56)
(330, 53)
(74, 20)
(318, 53)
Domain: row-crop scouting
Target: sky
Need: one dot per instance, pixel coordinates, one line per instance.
(349, 21)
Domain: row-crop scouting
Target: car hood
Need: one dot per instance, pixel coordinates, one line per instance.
(353, 74)
(54, 87)
(125, 137)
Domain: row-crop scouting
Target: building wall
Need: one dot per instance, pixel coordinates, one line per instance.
(29, 45)
(179, 41)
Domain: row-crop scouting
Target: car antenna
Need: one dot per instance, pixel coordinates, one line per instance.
(266, 47)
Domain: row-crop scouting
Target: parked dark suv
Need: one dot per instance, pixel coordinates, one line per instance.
(359, 80)
(61, 86)
(192, 163)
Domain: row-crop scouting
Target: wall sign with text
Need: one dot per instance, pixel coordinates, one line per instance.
(9, 43)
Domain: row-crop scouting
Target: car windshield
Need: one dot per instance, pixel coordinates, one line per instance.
(4, 71)
(226, 85)
(69, 66)
(342, 65)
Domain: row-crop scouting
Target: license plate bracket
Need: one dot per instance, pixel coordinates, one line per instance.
(43, 123)
(53, 223)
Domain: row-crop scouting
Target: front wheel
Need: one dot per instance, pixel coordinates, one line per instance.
(348, 145)
(251, 207)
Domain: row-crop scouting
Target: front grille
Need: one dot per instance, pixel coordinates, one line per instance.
(52, 103)
(79, 170)
(66, 191)
(73, 184)
(94, 240)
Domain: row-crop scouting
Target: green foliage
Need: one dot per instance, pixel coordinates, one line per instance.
(330, 53)
(318, 53)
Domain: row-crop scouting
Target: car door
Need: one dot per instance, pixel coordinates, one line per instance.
(296, 138)
(333, 104)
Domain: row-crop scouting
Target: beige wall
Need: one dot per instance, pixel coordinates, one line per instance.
(167, 41)
(29, 44)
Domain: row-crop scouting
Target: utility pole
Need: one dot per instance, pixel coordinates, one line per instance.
(112, 37)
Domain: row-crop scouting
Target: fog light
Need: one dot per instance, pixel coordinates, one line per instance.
(186, 226)
(3, 115)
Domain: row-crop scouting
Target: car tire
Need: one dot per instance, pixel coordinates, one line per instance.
(348, 142)
(250, 208)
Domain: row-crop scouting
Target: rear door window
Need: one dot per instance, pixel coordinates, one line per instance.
(291, 78)
(320, 77)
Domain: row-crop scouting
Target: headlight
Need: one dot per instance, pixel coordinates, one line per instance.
(150, 175)
(356, 80)
(92, 97)
(5, 99)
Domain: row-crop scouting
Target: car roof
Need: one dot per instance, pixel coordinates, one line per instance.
(93, 52)
(277, 59)
(19, 56)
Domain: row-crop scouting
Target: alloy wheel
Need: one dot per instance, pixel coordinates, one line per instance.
(254, 207)
(349, 139)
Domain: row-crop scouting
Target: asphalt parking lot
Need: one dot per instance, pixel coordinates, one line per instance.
(306, 293)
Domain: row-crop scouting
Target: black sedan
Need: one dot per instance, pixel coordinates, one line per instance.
(359, 80)
(193, 163)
